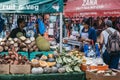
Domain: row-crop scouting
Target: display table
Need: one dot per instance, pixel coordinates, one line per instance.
(72, 42)
(55, 76)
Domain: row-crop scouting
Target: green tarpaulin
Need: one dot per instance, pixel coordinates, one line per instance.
(52, 76)
(31, 6)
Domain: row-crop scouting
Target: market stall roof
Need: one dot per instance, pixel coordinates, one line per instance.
(92, 8)
(31, 6)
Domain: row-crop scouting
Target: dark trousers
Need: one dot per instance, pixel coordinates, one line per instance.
(111, 60)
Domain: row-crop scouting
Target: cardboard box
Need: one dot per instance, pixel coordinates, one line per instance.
(94, 76)
(4, 68)
(20, 69)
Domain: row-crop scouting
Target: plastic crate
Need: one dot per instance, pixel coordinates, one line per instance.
(22, 53)
(33, 54)
(2, 53)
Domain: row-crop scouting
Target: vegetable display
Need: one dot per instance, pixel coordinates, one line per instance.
(13, 58)
(21, 44)
(65, 62)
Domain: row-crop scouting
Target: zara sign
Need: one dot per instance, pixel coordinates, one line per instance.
(89, 2)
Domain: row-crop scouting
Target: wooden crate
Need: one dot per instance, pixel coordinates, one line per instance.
(4, 68)
(20, 69)
(94, 76)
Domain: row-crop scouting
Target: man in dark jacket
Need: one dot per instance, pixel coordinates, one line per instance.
(19, 29)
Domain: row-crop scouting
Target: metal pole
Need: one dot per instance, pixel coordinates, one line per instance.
(61, 23)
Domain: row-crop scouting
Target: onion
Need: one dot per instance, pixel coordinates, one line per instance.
(1, 49)
(13, 56)
(16, 62)
(11, 62)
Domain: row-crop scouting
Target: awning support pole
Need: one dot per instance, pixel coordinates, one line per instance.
(61, 22)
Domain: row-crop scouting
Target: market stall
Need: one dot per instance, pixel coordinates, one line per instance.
(95, 10)
(43, 64)
(90, 8)
(29, 6)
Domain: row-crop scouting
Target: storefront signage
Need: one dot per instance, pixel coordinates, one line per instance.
(18, 7)
(90, 4)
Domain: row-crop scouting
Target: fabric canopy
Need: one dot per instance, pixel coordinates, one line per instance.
(31, 6)
(92, 8)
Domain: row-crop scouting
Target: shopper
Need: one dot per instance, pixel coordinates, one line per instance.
(1, 24)
(5, 32)
(21, 25)
(88, 33)
(39, 27)
(111, 60)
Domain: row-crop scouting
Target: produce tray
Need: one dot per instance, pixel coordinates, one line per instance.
(33, 54)
(84, 67)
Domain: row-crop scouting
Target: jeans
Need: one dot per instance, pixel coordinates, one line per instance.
(112, 61)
